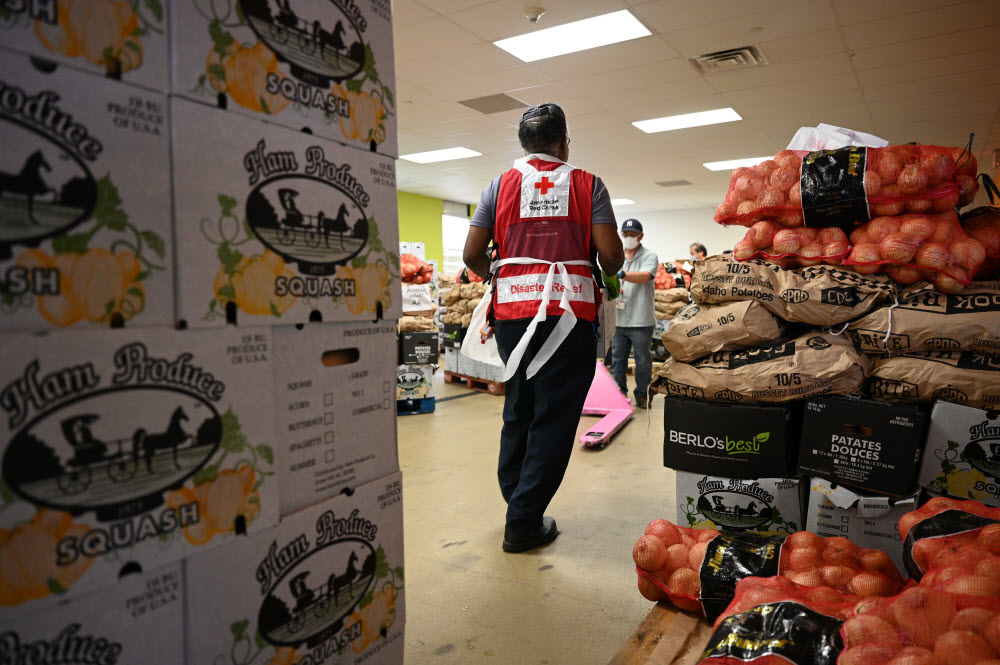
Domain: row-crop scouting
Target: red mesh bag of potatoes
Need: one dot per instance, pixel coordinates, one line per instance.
(920, 627)
(705, 581)
(792, 247)
(664, 280)
(910, 248)
(983, 224)
(840, 187)
(776, 621)
(414, 270)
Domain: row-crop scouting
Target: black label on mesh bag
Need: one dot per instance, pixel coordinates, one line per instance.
(833, 188)
(729, 559)
(948, 523)
(790, 630)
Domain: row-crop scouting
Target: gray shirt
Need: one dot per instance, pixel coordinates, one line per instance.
(638, 299)
(486, 214)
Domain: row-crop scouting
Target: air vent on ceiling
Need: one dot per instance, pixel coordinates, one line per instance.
(673, 183)
(494, 103)
(728, 60)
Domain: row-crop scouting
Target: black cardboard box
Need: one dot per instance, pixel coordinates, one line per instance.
(736, 441)
(454, 334)
(418, 348)
(864, 444)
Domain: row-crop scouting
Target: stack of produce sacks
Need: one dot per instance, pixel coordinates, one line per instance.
(883, 210)
(461, 301)
(668, 302)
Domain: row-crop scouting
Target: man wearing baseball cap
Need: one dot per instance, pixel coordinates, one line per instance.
(635, 317)
(551, 223)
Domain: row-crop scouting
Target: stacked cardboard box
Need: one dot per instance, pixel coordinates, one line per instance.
(241, 418)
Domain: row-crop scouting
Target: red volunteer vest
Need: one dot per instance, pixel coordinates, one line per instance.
(543, 212)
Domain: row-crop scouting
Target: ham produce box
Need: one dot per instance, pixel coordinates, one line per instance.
(279, 226)
(336, 408)
(114, 38)
(84, 201)
(867, 521)
(139, 619)
(129, 447)
(765, 506)
(325, 586)
(325, 65)
(962, 456)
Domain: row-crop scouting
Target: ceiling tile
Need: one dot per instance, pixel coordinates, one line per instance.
(436, 38)
(852, 11)
(789, 20)
(806, 46)
(652, 73)
(667, 17)
(919, 25)
(920, 50)
(942, 66)
(609, 58)
(478, 59)
(409, 12)
(501, 80)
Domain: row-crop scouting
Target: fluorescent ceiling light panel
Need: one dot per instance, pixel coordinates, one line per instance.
(440, 155)
(687, 120)
(589, 33)
(734, 163)
(622, 202)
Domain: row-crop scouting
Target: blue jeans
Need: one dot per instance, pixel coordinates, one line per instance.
(640, 339)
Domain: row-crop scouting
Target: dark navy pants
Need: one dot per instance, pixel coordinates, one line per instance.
(540, 419)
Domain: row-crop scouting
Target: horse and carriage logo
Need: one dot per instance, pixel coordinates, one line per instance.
(984, 456)
(113, 451)
(298, 219)
(309, 602)
(726, 509)
(320, 41)
(45, 189)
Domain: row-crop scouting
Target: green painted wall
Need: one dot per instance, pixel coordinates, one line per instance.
(420, 221)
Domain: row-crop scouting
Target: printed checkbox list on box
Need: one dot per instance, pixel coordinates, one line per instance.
(328, 399)
(328, 418)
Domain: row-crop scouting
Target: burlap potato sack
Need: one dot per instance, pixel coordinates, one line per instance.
(698, 329)
(416, 324)
(466, 320)
(676, 294)
(813, 364)
(971, 378)
(817, 295)
(928, 320)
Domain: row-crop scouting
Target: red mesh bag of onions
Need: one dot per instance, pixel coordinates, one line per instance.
(920, 626)
(792, 247)
(698, 569)
(775, 621)
(910, 248)
(983, 224)
(840, 187)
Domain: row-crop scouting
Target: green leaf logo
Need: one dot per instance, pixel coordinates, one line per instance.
(762, 437)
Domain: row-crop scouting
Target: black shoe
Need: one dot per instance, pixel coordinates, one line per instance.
(545, 534)
(641, 402)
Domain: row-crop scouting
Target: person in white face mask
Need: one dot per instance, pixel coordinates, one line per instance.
(635, 318)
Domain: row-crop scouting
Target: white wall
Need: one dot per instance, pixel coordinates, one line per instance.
(669, 233)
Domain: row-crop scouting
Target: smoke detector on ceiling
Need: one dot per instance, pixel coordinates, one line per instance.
(728, 60)
(534, 13)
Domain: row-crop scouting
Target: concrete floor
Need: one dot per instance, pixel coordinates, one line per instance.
(574, 602)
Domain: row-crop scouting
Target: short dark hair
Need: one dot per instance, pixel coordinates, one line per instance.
(699, 248)
(542, 133)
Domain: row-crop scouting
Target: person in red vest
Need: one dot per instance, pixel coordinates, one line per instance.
(550, 223)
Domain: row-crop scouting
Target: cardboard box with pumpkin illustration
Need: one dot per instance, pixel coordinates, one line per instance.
(123, 39)
(139, 619)
(962, 453)
(276, 226)
(765, 506)
(324, 586)
(125, 448)
(84, 200)
(327, 64)
(336, 408)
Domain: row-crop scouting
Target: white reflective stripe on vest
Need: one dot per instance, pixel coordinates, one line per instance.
(562, 328)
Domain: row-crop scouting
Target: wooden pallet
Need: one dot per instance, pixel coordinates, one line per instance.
(475, 383)
(666, 637)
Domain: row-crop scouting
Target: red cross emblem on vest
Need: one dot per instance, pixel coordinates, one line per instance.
(544, 185)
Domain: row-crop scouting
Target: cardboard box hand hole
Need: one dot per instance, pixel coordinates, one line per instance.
(337, 357)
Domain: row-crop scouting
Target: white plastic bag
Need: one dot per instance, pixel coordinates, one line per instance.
(473, 345)
(830, 137)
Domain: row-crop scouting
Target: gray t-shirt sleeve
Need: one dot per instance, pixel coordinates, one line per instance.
(650, 263)
(486, 212)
